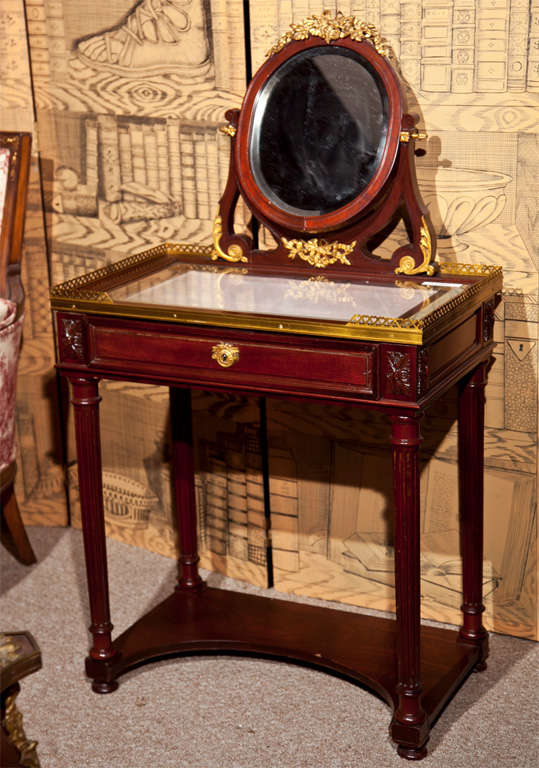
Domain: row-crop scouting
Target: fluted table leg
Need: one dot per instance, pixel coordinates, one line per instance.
(409, 727)
(85, 399)
(184, 487)
(471, 441)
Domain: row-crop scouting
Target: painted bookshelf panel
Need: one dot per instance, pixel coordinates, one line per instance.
(131, 156)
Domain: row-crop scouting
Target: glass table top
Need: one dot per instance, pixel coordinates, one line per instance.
(183, 284)
(239, 291)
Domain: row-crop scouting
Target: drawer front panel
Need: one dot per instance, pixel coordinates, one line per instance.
(205, 356)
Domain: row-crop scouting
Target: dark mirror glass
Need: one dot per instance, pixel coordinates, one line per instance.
(318, 131)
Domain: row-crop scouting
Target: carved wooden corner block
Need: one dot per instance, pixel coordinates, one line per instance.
(406, 372)
(400, 375)
(72, 339)
(489, 308)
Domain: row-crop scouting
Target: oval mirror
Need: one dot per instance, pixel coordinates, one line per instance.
(318, 131)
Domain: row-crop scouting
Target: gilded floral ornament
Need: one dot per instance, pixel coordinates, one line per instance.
(228, 130)
(234, 252)
(407, 265)
(330, 28)
(319, 253)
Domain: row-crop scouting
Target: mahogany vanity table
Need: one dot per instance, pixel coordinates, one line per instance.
(317, 317)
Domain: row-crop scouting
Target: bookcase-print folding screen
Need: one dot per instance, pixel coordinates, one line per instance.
(129, 99)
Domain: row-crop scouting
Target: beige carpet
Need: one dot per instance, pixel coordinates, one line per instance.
(223, 712)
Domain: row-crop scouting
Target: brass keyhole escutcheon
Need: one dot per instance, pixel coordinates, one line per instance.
(225, 354)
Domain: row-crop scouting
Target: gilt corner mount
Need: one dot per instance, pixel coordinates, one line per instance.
(323, 154)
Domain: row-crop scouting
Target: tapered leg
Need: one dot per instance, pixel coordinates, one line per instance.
(470, 441)
(85, 401)
(409, 727)
(184, 487)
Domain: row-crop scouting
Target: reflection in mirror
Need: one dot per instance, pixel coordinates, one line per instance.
(318, 131)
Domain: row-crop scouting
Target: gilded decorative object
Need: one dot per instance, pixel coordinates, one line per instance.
(8, 649)
(485, 270)
(15, 733)
(330, 28)
(228, 130)
(225, 354)
(417, 327)
(234, 252)
(182, 249)
(78, 287)
(407, 264)
(319, 253)
(377, 321)
(414, 135)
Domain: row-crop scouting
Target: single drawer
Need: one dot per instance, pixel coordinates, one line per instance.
(236, 359)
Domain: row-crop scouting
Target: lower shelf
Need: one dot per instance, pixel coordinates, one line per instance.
(359, 647)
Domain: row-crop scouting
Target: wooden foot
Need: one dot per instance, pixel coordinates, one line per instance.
(101, 672)
(410, 737)
(412, 753)
(102, 687)
(480, 666)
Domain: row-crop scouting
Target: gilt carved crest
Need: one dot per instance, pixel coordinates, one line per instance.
(330, 28)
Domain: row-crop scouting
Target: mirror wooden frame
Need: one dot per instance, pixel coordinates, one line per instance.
(352, 232)
(263, 208)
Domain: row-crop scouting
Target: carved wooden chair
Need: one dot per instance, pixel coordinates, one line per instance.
(14, 170)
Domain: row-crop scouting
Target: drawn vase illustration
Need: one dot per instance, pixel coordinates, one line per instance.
(461, 200)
